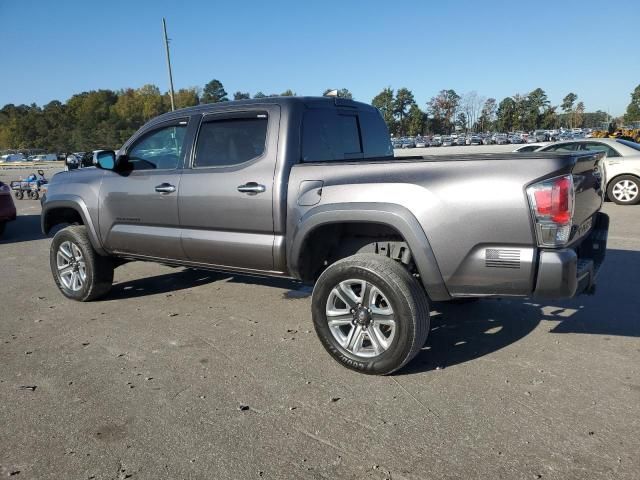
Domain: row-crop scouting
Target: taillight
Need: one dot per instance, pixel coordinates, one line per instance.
(552, 205)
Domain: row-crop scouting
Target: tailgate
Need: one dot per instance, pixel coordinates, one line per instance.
(589, 188)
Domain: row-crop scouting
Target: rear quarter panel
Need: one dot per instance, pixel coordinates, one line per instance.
(464, 205)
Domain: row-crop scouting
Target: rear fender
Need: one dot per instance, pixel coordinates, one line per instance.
(395, 216)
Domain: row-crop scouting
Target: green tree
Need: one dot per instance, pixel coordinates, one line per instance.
(578, 114)
(506, 115)
(186, 97)
(259, 95)
(415, 120)
(214, 92)
(384, 102)
(404, 99)
(567, 106)
(487, 115)
(633, 110)
(442, 109)
(241, 96)
(461, 121)
(288, 93)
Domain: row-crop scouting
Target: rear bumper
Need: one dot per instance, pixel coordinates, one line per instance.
(572, 271)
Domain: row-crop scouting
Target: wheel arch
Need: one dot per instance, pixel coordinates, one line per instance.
(392, 218)
(70, 210)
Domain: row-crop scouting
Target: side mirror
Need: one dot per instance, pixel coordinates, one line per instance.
(105, 159)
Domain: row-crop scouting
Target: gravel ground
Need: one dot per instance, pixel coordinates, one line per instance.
(187, 374)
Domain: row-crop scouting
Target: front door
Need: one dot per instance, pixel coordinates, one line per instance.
(226, 196)
(139, 204)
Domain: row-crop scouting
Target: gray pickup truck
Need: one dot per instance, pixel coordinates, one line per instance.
(309, 189)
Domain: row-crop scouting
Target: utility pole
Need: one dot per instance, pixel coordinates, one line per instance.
(166, 45)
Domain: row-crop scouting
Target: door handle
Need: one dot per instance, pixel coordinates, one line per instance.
(165, 188)
(251, 188)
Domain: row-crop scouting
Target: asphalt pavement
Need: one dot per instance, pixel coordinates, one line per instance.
(189, 374)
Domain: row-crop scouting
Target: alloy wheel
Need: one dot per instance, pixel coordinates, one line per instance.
(360, 318)
(72, 268)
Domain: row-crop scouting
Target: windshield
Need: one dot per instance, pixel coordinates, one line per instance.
(634, 145)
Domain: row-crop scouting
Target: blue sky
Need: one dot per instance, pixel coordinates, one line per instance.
(51, 50)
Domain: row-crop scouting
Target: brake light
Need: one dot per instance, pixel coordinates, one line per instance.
(552, 206)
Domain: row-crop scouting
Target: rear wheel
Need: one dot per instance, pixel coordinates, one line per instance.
(370, 314)
(2, 226)
(79, 272)
(35, 195)
(19, 194)
(624, 190)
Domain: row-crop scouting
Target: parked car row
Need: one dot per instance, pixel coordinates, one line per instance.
(621, 166)
(21, 157)
(498, 138)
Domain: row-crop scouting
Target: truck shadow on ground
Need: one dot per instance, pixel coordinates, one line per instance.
(462, 333)
(24, 229)
(184, 278)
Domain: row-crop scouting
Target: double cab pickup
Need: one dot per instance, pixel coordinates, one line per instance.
(309, 189)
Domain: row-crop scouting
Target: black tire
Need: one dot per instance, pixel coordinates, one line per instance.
(99, 269)
(406, 297)
(618, 180)
(19, 194)
(35, 195)
(2, 227)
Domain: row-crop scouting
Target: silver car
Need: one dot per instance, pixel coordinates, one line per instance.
(622, 165)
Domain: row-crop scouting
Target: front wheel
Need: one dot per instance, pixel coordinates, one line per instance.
(624, 190)
(370, 314)
(79, 272)
(19, 194)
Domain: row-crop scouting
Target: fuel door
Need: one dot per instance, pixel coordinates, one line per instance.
(310, 192)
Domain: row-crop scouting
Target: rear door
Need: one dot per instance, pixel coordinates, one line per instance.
(226, 194)
(139, 206)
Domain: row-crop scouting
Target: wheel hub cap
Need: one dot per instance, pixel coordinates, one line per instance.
(72, 270)
(360, 318)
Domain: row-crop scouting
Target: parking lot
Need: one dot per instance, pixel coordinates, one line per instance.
(190, 374)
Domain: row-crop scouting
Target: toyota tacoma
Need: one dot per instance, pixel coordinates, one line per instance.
(309, 189)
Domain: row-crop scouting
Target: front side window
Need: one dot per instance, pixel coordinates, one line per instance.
(600, 147)
(158, 150)
(231, 141)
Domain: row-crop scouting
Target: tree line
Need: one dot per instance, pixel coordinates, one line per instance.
(106, 118)
(449, 111)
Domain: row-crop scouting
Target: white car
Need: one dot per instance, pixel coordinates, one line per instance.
(621, 167)
(531, 147)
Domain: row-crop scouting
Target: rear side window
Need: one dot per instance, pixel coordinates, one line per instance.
(375, 135)
(224, 142)
(329, 136)
(600, 147)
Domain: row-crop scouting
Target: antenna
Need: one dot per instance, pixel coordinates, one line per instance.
(166, 45)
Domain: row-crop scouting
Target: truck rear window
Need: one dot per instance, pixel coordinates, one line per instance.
(330, 135)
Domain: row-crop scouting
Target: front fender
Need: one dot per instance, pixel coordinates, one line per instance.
(78, 204)
(395, 216)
